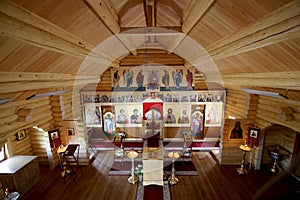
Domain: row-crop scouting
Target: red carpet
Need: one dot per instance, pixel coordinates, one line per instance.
(153, 192)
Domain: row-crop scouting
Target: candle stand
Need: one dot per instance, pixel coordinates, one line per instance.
(172, 179)
(133, 178)
(245, 148)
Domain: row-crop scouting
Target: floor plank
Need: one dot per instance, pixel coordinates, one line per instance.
(213, 182)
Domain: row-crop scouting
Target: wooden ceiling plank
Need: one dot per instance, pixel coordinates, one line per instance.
(106, 13)
(21, 24)
(281, 14)
(270, 79)
(27, 17)
(191, 15)
(271, 22)
(280, 25)
(286, 30)
(127, 6)
(174, 6)
(193, 12)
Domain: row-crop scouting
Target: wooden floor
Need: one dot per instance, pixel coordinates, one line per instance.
(214, 182)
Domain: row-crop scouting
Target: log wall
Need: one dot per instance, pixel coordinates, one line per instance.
(278, 111)
(38, 115)
(237, 103)
(22, 147)
(261, 112)
(230, 153)
(80, 137)
(40, 144)
(278, 135)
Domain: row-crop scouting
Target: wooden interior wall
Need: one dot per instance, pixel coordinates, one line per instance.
(80, 137)
(72, 108)
(230, 153)
(40, 144)
(278, 111)
(237, 103)
(261, 112)
(22, 147)
(63, 116)
(12, 120)
(278, 135)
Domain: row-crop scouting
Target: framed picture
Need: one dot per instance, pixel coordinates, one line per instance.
(237, 129)
(213, 114)
(54, 138)
(21, 135)
(253, 136)
(197, 120)
(71, 132)
(93, 115)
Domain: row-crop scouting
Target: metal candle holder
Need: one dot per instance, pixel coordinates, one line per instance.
(133, 178)
(242, 169)
(172, 179)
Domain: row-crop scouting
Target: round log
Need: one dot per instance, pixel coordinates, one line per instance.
(285, 117)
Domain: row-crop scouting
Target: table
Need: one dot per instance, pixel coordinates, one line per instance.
(20, 173)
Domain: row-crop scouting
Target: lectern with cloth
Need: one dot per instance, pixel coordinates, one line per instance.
(153, 164)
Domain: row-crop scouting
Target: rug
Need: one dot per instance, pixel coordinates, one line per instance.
(151, 192)
(122, 168)
(182, 168)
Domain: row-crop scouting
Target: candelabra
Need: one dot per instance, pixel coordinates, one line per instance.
(245, 148)
(133, 178)
(172, 179)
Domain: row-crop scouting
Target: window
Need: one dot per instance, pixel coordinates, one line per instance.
(3, 154)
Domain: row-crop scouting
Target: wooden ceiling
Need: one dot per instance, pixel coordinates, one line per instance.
(46, 45)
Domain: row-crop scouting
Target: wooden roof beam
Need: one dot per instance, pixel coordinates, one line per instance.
(20, 24)
(282, 80)
(106, 13)
(18, 82)
(27, 76)
(191, 15)
(27, 86)
(280, 25)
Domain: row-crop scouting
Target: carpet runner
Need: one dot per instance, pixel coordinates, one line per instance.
(153, 192)
(182, 168)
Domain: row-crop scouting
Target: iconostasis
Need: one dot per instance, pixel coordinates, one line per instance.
(192, 110)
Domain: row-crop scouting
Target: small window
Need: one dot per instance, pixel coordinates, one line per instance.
(3, 154)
